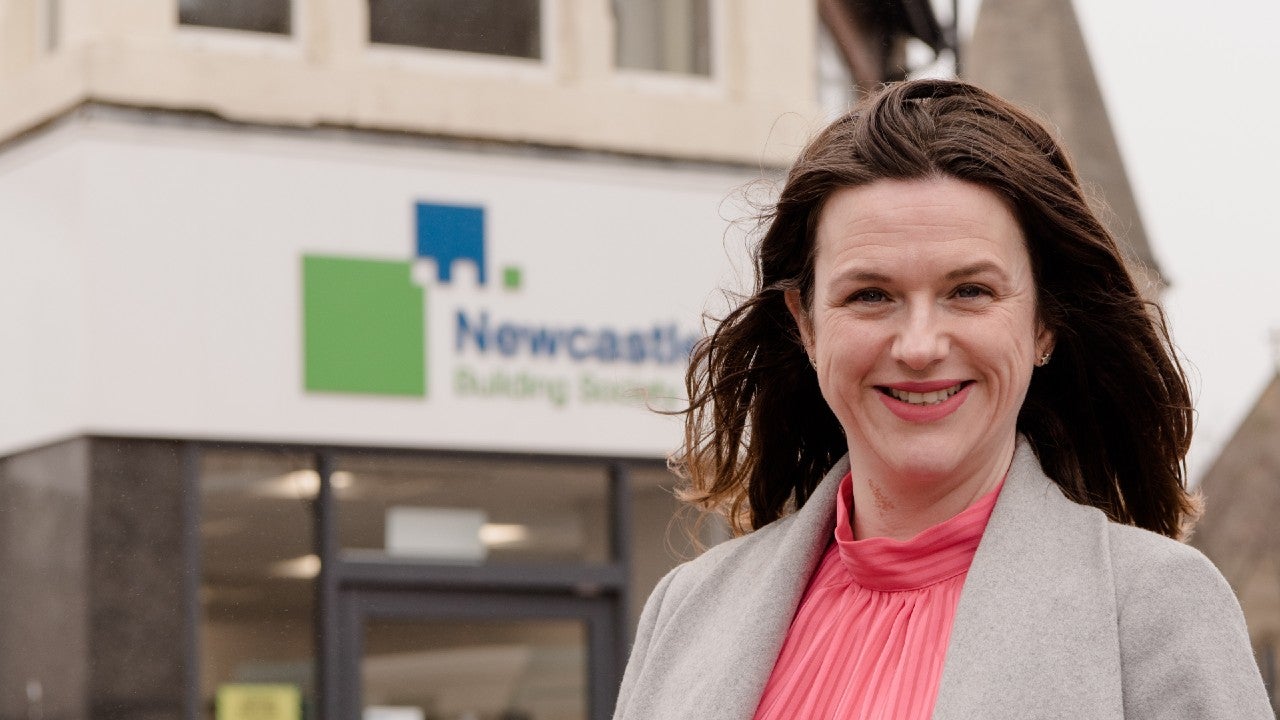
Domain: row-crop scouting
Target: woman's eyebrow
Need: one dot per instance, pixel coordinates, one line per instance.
(978, 268)
(961, 273)
(865, 276)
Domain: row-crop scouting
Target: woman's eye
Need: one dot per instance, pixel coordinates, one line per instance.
(870, 295)
(968, 292)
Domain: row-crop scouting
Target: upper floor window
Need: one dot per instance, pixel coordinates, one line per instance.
(495, 27)
(270, 16)
(664, 35)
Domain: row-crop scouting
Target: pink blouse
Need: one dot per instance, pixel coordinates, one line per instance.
(870, 635)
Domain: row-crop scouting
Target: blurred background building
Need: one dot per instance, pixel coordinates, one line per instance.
(1239, 531)
(335, 326)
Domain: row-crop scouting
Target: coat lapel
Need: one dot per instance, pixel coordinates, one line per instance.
(1035, 631)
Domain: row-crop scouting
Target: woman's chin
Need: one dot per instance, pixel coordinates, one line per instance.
(916, 466)
(932, 455)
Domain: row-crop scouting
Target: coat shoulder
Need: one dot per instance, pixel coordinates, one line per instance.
(1142, 558)
(1185, 648)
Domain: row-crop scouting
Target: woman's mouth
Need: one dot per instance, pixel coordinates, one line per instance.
(925, 402)
(923, 398)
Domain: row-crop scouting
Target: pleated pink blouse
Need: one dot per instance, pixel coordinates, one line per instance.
(870, 635)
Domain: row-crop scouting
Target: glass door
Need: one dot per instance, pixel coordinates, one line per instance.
(468, 655)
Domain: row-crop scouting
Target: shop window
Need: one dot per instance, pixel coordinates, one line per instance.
(46, 610)
(267, 16)
(530, 669)
(664, 35)
(256, 591)
(493, 27)
(471, 511)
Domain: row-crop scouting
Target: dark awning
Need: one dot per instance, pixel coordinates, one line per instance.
(871, 35)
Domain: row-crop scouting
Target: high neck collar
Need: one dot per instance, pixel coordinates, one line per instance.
(935, 554)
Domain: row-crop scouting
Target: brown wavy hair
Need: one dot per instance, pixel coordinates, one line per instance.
(1110, 418)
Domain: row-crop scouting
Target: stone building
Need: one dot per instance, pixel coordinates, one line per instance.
(1239, 530)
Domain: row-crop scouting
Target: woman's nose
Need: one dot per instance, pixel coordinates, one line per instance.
(920, 341)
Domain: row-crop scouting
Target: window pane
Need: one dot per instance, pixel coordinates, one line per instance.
(472, 510)
(256, 592)
(665, 35)
(494, 27)
(49, 601)
(475, 670)
(272, 16)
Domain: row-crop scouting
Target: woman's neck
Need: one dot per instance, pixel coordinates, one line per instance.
(887, 504)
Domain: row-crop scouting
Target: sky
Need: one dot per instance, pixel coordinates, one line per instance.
(1191, 89)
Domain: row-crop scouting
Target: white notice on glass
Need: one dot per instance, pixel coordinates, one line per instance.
(441, 534)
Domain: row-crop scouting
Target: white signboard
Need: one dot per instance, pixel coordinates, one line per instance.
(240, 285)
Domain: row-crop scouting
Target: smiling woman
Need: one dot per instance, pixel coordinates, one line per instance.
(951, 433)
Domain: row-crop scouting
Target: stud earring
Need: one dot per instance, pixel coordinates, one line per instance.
(1044, 360)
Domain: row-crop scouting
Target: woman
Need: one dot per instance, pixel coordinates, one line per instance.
(956, 434)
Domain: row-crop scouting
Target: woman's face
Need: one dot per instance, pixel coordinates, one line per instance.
(923, 326)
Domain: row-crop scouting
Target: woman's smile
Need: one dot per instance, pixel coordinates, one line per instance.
(922, 393)
(924, 402)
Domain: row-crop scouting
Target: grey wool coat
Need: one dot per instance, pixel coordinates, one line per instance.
(1063, 615)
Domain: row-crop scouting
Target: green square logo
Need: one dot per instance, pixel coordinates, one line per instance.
(363, 327)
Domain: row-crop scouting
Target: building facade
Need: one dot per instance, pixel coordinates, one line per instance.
(336, 331)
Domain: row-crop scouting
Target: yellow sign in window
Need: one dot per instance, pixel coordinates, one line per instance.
(257, 701)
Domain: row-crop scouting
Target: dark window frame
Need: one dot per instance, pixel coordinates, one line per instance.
(598, 593)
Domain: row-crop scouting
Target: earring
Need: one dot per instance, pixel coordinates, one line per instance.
(813, 362)
(1044, 359)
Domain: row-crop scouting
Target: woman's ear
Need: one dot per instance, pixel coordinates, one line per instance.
(1045, 341)
(798, 313)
